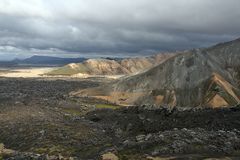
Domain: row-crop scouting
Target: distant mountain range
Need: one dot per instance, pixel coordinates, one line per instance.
(201, 77)
(42, 61)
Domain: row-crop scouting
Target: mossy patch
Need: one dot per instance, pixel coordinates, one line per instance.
(72, 111)
(107, 106)
(68, 71)
(56, 149)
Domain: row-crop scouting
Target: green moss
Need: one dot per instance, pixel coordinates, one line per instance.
(54, 150)
(72, 111)
(41, 150)
(67, 70)
(106, 106)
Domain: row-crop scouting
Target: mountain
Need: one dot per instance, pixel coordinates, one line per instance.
(7, 63)
(227, 56)
(48, 60)
(109, 66)
(218, 92)
(139, 64)
(200, 77)
(91, 67)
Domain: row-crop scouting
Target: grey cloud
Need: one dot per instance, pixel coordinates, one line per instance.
(107, 27)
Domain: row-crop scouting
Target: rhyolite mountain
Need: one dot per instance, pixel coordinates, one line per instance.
(206, 77)
(106, 66)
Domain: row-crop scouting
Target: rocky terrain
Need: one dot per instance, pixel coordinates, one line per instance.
(35, 117)
(201, 77)
(40, 120)
(186, 107)
(112, 67)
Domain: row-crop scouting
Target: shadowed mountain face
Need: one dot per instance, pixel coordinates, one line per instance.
(206, 77)
(112, 67)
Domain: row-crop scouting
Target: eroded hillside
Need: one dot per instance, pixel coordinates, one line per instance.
(181, 81)
(112, 67)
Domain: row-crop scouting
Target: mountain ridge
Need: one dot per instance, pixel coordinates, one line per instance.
(49, 60)
(103, 66)
(180, 80)
(38, 60)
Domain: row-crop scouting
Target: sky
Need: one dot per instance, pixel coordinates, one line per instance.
(97, 28)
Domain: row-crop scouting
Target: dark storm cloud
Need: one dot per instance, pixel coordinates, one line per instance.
(107, 27)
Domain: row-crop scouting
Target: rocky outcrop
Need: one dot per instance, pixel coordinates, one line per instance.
(219, 93)
(201, 77)
(4, 151)
(187, 140)
(11, 155)
(109, 156)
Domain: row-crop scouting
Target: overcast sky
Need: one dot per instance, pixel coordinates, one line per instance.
(113, 28)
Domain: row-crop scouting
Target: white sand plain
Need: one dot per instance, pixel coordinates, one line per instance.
(26, 73)
(39, 72)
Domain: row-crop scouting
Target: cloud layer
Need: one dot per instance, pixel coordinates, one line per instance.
(107, 27)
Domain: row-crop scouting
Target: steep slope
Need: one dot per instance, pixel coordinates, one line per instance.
(112, 67)
(181, 80)
(133, 65)
(227, 55)
(218, 92)
(138, 64)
